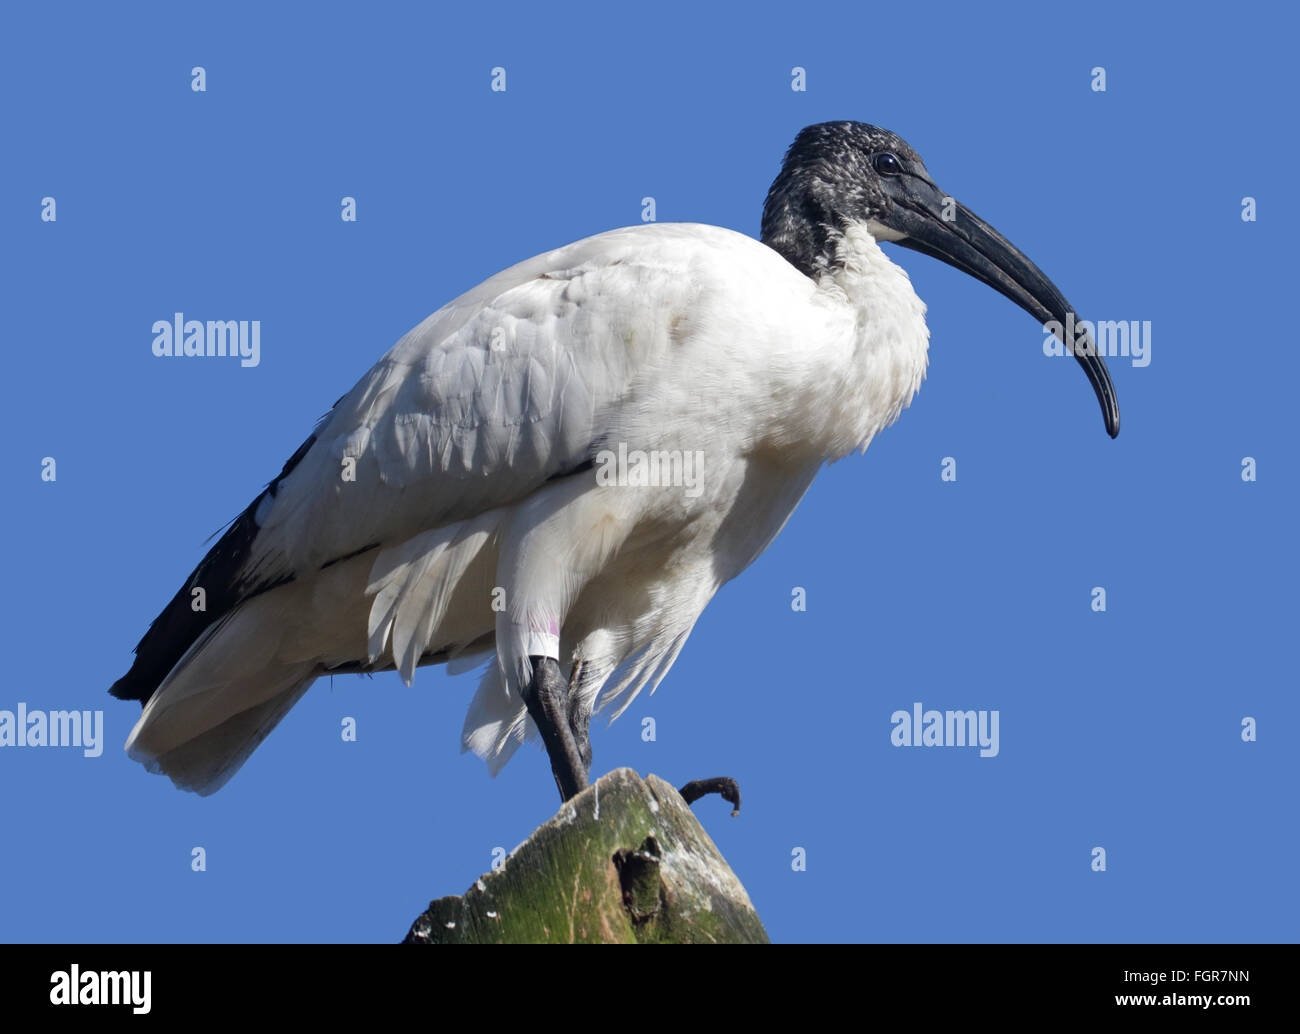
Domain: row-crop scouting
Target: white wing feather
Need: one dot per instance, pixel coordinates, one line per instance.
(495, 393)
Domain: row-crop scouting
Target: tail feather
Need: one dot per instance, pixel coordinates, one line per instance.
(223, 697)
(205, 763)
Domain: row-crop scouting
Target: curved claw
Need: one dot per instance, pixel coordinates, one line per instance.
(729, 789)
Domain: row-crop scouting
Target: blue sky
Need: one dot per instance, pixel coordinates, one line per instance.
(1119, 730)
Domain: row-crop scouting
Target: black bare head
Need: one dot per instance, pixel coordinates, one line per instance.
(830, 179)
(838, 174)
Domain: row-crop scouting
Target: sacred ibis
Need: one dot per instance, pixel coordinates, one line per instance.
(560, 468)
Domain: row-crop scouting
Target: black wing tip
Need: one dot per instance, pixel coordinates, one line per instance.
(128, 688)
(222, 573)
(136, 684)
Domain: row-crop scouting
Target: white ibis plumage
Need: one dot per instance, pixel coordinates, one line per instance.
(562, 466)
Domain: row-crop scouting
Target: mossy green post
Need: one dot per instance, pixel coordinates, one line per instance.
(624, 862)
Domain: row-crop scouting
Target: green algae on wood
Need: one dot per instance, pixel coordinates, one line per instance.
(624, 862)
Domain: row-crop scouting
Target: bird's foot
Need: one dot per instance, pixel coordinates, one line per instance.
(728, 788)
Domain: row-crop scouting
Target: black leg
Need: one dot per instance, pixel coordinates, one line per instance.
(580, 719)
(547, 697)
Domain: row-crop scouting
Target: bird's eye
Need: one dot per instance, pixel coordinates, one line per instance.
(887, 164)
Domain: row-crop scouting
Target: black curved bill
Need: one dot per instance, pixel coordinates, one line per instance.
(967, 242)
